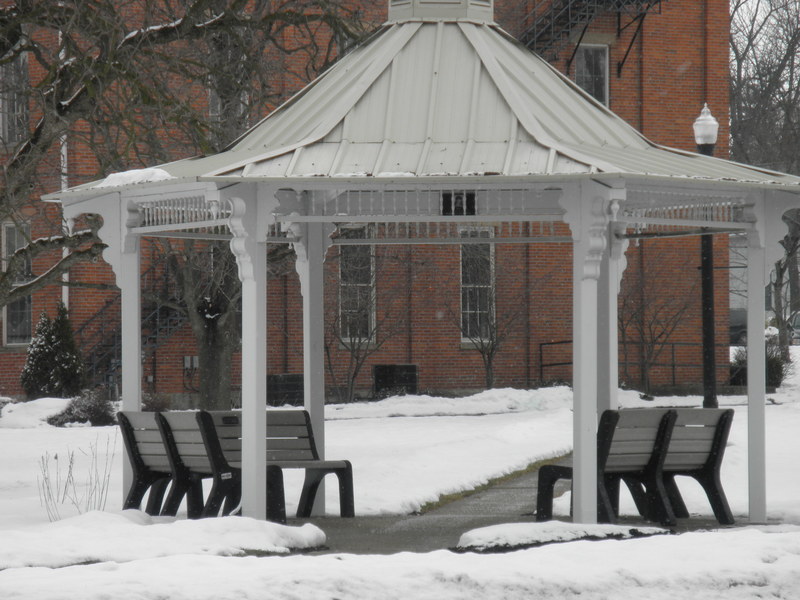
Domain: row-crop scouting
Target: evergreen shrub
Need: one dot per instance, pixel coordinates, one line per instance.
(54, 366)
(92, 406)
(777, 367)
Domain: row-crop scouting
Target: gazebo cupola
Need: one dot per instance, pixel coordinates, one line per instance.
(475, 10)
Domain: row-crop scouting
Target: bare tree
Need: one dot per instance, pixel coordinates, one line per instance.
(487, 315)
(650, 312)
(765, 118)
(128, 83)
(765, 83)
(357, 324)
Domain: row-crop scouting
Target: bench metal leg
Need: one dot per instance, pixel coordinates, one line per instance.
(548, 476)
(139, 486)
(676, 502)
(311, 485)
(716, 496)
(276, 496)
(156, 497)
(223, 489)
(346, 500)
(192, 488)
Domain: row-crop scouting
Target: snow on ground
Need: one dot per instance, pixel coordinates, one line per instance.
(406, 451)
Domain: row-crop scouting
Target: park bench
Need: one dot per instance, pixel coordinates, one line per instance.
(189, 461)
(631, 447)
(695, 450)
(151, 467)
(290, 445)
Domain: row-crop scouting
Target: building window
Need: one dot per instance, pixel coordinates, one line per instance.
(17, 314)
(458, 203)
(591, 71)
(477, 287)
(13, 101)
(356, 287)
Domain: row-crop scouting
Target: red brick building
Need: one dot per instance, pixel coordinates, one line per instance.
(653, 63)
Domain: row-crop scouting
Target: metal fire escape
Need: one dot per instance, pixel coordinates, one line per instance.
(100, 337)
(552, 24)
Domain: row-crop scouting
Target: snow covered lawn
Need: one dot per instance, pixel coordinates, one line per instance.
(117, 554)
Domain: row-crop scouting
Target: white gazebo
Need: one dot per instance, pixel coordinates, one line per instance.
(441, 102)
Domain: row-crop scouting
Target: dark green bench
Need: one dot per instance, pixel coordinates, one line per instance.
(186, 450)
(631, 447)
(151, 468)
(290, 445)
(696, 449)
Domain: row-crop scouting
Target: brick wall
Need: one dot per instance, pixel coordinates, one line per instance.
(677, 62)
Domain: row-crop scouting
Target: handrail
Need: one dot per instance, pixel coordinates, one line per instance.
(672, 363)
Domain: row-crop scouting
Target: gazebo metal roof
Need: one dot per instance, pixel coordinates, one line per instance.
(440, 99)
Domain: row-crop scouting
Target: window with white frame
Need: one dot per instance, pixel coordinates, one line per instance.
(591, 71)
(477, 286)
(356, 286)
(13, 101)
(17, 315)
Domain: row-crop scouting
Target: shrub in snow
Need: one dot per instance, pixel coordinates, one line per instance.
(54, 366)
(92, 406)
(155, 402)
(777, 367)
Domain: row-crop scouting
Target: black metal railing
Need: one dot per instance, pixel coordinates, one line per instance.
(100, 336)
(670, 358)
(553, 22)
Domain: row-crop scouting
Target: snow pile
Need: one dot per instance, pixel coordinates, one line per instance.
(525, 535)
(134, 176)
(433, 446)
(133, 535)
(24, 415)
(495, 401)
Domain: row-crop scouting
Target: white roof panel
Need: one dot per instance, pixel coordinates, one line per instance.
(431, 97)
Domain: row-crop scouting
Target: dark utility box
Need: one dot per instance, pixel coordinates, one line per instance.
(395, 379)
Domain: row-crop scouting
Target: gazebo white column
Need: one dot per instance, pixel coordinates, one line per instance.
(122, 254)
(756, 379)
(313, 243)
(248, 225)
(586, 218)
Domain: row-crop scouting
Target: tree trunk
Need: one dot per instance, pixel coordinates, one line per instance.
(215, 349)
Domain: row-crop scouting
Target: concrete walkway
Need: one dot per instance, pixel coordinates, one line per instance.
(510, 501)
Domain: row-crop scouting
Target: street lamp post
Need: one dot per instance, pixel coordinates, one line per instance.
(706, 129)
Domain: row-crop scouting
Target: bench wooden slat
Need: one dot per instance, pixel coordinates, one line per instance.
(144, 436)
(689, 434)
(286, 417)
(294, 455)
(632, 462)
(679, 447)
(141, 420)
(181, 421)
(287, 431)
(635, 434)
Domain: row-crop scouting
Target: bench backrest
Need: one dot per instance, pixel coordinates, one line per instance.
(698, 438)
(184, 442)
(142, 440)
(634, 439)
(289, 435)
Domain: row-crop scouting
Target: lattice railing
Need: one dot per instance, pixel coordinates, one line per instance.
(186, 211)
